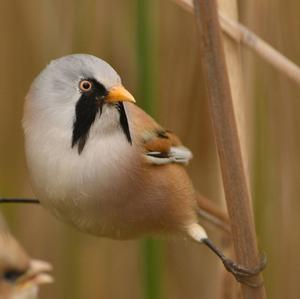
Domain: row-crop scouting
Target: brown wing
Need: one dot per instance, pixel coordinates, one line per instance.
(161, 146)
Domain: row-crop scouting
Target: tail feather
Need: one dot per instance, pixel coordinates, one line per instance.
(212, 213)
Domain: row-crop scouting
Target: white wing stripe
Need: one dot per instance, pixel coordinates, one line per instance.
(179, 154)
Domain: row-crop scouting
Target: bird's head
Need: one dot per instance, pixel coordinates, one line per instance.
(72, 92)
(20, 276)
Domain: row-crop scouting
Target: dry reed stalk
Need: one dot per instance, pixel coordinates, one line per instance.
(229, 289)
(241, 33)
(227, 140)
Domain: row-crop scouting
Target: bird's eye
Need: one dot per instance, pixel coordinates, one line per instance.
(85, 85)
(12, 275)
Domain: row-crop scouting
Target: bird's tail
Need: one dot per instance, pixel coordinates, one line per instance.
(212, 213)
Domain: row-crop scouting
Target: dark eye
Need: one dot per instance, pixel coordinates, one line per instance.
(85, 85)
(12, 275)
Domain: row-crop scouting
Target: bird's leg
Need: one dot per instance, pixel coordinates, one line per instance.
(242, 274)
(19, 200)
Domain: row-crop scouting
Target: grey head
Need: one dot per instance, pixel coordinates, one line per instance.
(73, 90)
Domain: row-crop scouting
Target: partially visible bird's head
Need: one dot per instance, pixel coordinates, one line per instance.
(72, 91)
(20, 276)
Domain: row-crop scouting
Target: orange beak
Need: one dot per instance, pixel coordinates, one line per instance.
(37, 274)
(119, 94)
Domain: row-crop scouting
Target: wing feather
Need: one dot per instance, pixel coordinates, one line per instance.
(161, 146)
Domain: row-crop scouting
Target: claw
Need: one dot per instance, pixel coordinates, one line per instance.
(241, 273)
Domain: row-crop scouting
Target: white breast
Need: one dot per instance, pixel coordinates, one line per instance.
(76, 187)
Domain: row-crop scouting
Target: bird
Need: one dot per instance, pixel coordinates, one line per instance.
(100, 163)
(20, 275)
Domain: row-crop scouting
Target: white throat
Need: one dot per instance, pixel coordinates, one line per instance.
(65, 180)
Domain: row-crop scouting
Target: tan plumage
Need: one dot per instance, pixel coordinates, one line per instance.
(99, 162)
(151, 134)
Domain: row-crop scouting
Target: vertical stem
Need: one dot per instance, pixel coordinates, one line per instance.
(151, 249)
(227, 140)
(152, 268)
(145, 61)
(241, 104)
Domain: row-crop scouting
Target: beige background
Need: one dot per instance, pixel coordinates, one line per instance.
(33, 32)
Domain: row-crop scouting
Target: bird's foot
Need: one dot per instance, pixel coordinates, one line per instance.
(241, 273)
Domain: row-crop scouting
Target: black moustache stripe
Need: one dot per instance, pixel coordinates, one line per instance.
(124, 122)
(86, 110)
(87, 107)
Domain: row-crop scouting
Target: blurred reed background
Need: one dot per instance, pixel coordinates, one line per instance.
(153, 45)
